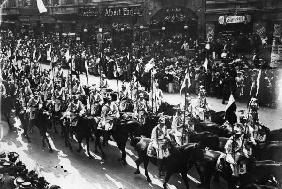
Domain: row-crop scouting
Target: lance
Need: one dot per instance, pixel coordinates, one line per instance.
(152, 90)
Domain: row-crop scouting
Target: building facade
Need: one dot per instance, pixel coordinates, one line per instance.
(78, 15)
(199, 16)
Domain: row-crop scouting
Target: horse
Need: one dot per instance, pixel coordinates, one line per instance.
(180, 159)
(212, 127)
(82, 130)
(121, 131)
(255, 170)
(167, 109)
(41, 121)
(275, 135)
(216, 117)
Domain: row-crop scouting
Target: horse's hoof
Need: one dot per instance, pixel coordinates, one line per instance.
(124, 163)
(149, 180)
(164, 185)
(137, 172)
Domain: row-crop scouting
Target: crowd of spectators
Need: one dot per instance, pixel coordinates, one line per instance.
(218, 65)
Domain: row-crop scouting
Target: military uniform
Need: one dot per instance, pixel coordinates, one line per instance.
(234, 149)
(140, 109)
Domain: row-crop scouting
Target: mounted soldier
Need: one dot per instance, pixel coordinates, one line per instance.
(33, 106)
(156, 147)
(95, 102)
(124, 99)
(202, 105)
(108, 113)
(235, 149)
(179, 129)
(71, 116)
(141, 108)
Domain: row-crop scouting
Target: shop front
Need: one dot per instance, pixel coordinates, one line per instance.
(174, 20)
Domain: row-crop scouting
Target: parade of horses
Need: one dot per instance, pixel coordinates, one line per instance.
(67, 106)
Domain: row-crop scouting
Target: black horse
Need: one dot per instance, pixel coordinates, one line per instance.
(180, 159)
(82, 130)
(41, 121)
(256, 170)
(121, 131)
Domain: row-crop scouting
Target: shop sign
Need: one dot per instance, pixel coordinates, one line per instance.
(88, 12)
(234, 19)
(122, 11)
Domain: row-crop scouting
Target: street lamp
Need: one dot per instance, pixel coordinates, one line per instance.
(100, 30)
(85, 30)
(163, 28)
(141, 27)
(121, 29)
(185, 27)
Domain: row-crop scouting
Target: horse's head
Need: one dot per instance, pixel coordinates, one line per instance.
(134, 141)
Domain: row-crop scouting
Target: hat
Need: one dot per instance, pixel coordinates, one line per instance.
(103, 76)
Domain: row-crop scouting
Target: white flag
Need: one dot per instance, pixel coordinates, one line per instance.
(41, 7)
(149, 65)
(49, 54)
(67, 55)
(206, 64)
(258, 82)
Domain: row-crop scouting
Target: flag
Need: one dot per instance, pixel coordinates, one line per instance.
(127, 56)
(258, 82)
(186, 83)
(41, 7)
(67, 55)
(86, 68)
(230, 110)
(33, 55)
(149, 65)
(206, 64)
(49, 54)
(231, 102)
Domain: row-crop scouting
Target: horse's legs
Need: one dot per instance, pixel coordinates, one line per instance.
(98, 143)
(202, 179)
(138, 162)
(146, 163)
(167, 176)
(87, 145)
(48, 142)
(79, 144)
(185, 178)
(123, 155)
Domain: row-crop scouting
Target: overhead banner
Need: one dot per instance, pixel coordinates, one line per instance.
(234, 19)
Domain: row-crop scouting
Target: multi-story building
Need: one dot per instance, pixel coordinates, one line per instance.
(73, 15)
(242, 16)
(210, 16)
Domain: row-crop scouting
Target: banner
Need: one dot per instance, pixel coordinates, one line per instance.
(41, 7)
